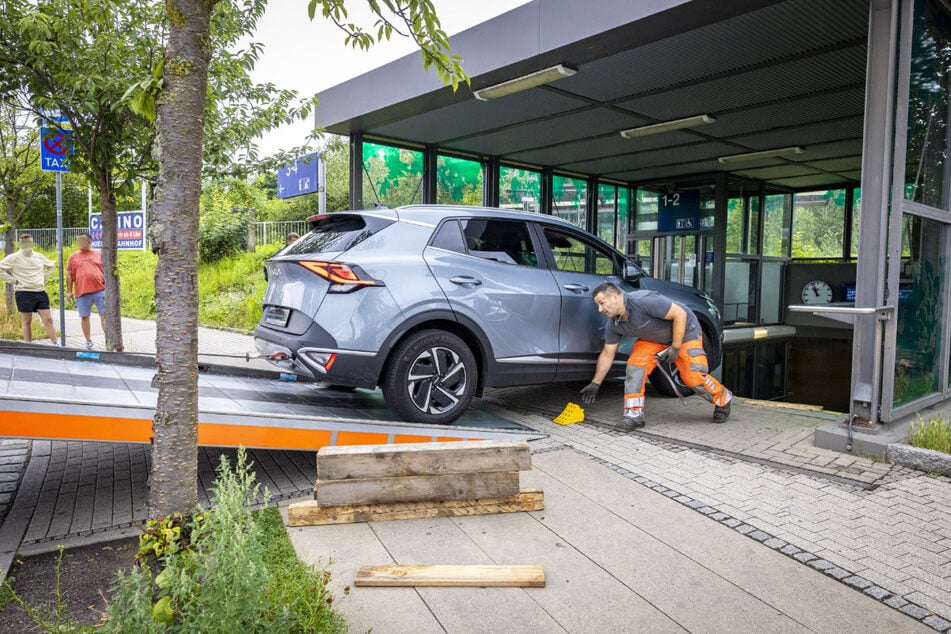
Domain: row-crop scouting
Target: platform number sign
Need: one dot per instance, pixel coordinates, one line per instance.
(678, 212)
(299, 177)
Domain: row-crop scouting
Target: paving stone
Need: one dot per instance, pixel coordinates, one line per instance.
(914, 611)
(877, 592)
(789, 549)
(732, 522)
(719, 516)
(745, 529)
(759, 536)
(838, 573)
(775, 543)
(821, 564)
(937, 623)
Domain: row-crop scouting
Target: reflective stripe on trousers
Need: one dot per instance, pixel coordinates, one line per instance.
(692, 365)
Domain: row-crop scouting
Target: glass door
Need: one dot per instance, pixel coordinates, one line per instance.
(677, 259)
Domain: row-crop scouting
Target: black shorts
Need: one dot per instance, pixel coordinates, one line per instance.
(32, 301)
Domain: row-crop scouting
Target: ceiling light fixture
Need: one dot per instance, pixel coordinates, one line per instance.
(752, 156)
(524, 82)
(667, 126)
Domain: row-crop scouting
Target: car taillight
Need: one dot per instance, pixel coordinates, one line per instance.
(343, 278)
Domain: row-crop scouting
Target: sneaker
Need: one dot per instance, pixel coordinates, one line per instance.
(720, 414)
(630, 423)
(56, 344)
(88, 344)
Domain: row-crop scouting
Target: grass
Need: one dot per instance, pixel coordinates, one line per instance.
(230, 291)
(935, 435)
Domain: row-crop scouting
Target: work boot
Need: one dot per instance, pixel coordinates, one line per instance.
(720, 414)
(630, 423)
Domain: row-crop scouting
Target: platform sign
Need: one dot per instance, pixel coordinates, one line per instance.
(299, 178)
(130, 232)
(678, 212)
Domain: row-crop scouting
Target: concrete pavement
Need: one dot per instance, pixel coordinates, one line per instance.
(617, 556)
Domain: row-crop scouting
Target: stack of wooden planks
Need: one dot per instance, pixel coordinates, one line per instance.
(389, 482)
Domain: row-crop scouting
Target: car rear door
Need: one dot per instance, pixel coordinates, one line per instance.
(579, 264)
(489, 270)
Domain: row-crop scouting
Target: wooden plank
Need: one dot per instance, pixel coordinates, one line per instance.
(452, 575)
(310, 513)
(390, 461)
(782, 405)
(453, 486)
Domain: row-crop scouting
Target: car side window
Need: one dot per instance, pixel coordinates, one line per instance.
(503, 241)
(573, 253)
(449, 238)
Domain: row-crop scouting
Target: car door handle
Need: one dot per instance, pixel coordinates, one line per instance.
(465, 280)
(581, 288)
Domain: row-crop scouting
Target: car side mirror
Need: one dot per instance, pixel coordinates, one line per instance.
(632, 272)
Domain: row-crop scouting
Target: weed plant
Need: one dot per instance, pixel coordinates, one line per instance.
(935, 434)
(231, 569)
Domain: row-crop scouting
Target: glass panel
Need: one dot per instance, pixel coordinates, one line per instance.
(623, 217)
(926, 164)
(818, 224)
(775, 231)
(391, 176)
(920, 314)
(739, 292)
(642, 254)
(500, 240)
(572, 253)
(647, 205)
(568, 196)
(607, 206)
(856, 214)
(519, 189)
(458, 181)
(771, 293)
(734, 225)
(752, 227)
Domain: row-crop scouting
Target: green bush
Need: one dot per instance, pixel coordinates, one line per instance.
(224, 569)
(221, 231)
(935, 434)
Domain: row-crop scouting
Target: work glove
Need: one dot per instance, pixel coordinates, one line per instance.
(589, 393)
(668, 357)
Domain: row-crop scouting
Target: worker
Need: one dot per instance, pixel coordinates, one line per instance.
(667, 332)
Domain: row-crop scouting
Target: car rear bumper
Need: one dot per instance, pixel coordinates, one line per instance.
(315, 355)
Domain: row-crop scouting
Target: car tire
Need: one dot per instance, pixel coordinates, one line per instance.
(431, 378)
(663, 386)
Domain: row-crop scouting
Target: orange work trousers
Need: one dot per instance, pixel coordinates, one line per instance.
(692, 366)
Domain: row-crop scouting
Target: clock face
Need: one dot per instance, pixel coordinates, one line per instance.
(816, 292)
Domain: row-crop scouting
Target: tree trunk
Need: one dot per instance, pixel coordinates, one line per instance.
(110, 242)
(173, 480)
(8, 239)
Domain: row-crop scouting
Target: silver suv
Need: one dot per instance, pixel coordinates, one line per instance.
(435, 303)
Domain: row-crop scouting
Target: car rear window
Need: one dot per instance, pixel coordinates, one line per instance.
(337, 232)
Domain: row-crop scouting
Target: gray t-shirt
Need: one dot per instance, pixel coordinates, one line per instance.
(645, 320)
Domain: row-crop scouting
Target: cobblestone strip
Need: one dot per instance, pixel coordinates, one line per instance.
(891, 542)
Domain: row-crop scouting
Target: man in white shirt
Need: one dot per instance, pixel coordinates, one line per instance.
(28, 271)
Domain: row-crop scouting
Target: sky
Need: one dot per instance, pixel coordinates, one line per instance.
(311, 56)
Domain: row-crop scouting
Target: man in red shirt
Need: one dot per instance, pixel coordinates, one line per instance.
(84, 271)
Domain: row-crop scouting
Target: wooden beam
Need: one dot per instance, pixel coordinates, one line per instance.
(310, 513)
(453, 486)
(389, 461)
(457, 576)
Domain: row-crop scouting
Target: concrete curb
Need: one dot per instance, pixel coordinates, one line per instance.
(917, 458)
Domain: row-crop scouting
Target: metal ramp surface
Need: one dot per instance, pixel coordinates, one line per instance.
(66, 397)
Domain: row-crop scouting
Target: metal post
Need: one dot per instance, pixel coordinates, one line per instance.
(356, 170)
(321, 184)
(430, 184)
(59, 258)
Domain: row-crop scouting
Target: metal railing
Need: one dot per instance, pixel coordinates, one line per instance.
(265, 233)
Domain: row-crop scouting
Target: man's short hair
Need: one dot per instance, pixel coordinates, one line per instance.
(26, 236)
(83, 234)
(607, 288)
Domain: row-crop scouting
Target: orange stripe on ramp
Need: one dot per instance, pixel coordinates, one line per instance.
(69, 426)
(361, 438)
(215, 435)
(401, 438)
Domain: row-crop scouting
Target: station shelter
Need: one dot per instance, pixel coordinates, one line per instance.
(788, 157)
